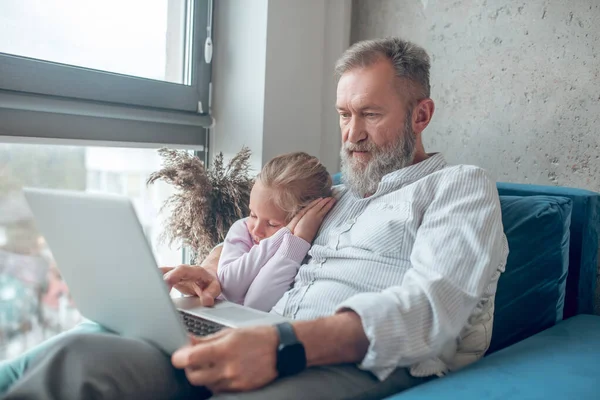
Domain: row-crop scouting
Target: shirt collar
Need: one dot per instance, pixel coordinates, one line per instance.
(407, 175)
(412, 173)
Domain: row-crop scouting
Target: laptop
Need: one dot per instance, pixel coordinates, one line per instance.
(107, 262)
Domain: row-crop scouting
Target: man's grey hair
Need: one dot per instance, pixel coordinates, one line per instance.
(409, 60)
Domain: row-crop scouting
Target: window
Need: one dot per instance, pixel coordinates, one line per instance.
(143, 38)
(34, 301)
(89, 90)
(110, 70)
(135, 52)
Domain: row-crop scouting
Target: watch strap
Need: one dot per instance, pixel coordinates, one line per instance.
(291, 356)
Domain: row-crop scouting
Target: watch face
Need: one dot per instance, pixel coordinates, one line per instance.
(291, 359)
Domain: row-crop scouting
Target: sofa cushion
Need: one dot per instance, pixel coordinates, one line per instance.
(559, 363)
(585, 233)
(531, 292)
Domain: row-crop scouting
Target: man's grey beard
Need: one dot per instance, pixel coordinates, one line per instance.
(364, 179)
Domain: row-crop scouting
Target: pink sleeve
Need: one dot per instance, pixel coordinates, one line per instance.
(241, 260)
(277, 275)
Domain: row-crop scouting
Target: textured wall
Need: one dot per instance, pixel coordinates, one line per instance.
(516, 83)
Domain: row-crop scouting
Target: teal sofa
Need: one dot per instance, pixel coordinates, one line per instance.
(546, 340)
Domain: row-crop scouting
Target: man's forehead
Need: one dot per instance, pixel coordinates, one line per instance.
(357, 100)
(361, 90)
(367, 80)
(361, 95)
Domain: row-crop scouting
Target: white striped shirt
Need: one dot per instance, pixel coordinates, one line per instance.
(418, 261)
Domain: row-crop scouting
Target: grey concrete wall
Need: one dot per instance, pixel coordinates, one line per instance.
(516, 83)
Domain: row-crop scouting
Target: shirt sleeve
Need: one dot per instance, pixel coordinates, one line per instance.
(241, 260)
(458, 247)
(277, 275)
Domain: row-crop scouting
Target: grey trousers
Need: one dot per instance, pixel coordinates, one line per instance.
(105, 366)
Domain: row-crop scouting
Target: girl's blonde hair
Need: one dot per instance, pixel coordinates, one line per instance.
(296, 180)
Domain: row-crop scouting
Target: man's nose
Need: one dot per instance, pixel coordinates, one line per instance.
(356, 130)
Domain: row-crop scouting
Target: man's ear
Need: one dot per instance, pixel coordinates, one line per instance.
(422, 114)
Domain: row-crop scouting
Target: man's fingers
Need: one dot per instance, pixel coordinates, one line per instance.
(164, 270)
(204, 339)
(209, 293)
(211, 377)
(188, 279)
(186, 273)
(170, 277)
(201, 362)
(205, 299)
(196, 356)
(213, 288)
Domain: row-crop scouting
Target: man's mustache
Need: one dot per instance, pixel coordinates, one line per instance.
(348, 147)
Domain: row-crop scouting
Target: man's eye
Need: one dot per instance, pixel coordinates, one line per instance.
(344, 115)
(371, 115)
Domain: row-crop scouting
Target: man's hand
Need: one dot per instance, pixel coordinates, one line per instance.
(239, 359)
(194, 280)
(311, 218)
(244, 359)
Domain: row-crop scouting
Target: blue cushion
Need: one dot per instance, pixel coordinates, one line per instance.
(530, 296)
(559, 363)
(585, 229)
(337, 178)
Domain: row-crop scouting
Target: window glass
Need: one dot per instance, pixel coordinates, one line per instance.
(34, 301)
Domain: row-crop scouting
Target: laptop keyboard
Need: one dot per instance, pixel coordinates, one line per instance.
(199, 326)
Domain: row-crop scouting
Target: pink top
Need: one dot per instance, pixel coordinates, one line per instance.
(257, 275)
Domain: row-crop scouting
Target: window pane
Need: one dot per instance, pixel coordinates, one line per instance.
(34, 301)
(143, 38)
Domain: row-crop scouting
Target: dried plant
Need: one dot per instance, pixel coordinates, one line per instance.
(208, 200)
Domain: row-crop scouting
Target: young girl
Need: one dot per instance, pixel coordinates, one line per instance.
(262, 253)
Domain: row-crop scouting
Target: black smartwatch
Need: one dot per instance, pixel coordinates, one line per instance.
(291, 357)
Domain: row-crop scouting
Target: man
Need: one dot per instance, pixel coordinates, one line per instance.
(400, 283)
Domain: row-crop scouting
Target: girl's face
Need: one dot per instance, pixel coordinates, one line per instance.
(265, 218)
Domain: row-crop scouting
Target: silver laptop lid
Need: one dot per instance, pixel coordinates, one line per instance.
(107, 262)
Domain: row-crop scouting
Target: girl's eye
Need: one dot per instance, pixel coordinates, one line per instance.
(274, 225)
(252, 216)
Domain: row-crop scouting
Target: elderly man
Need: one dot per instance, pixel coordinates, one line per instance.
(399, 286)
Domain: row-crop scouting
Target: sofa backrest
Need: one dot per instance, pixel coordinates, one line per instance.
(583, 247)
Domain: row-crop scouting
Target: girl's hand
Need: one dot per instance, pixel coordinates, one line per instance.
(292, 224)
(311, 218)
